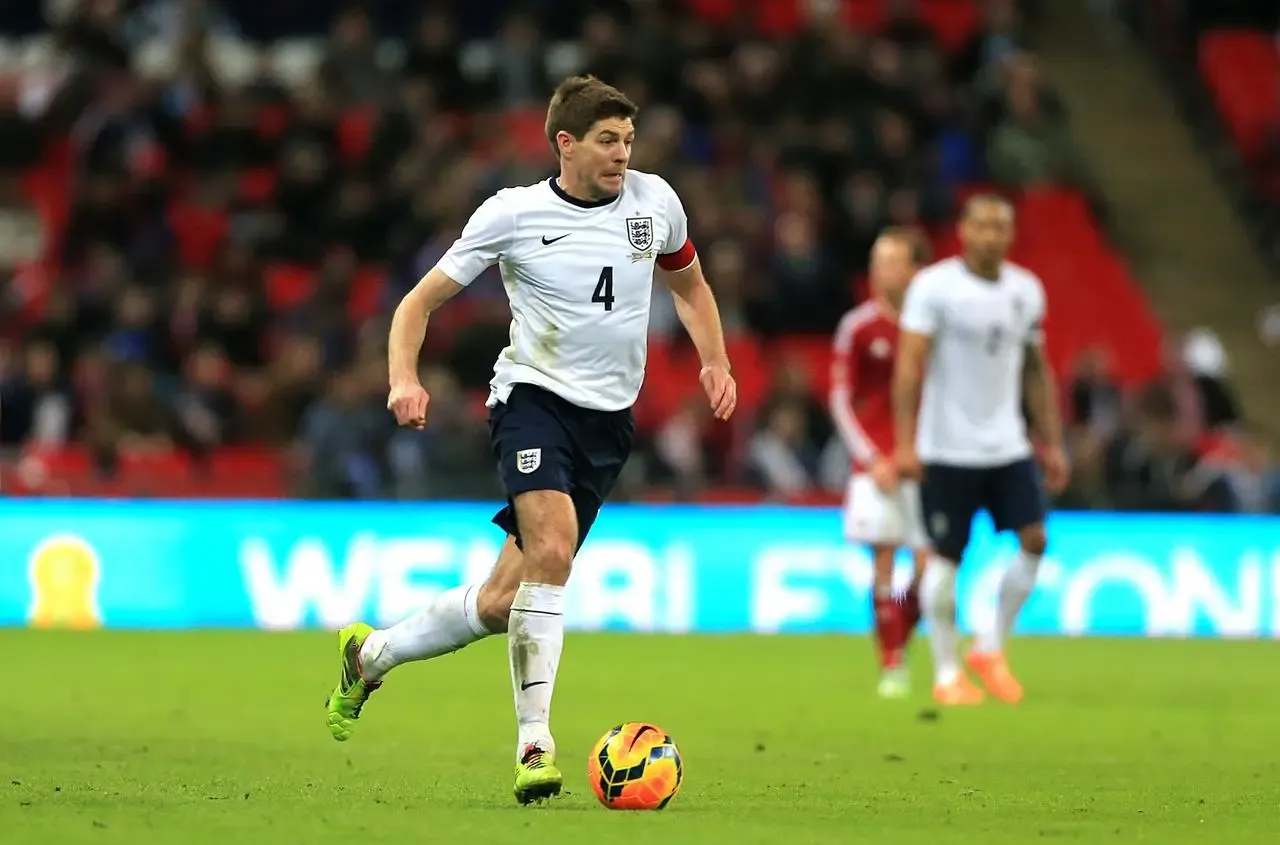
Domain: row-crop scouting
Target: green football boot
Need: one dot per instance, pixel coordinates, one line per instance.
(353, 690)
(894, 683)
(537, 777)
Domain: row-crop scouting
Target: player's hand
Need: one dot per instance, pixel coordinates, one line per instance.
(884, 472)
(721, 389)
(908, 462)
(408, 401)
(1057, 470)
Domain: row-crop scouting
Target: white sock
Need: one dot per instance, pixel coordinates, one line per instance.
(938, 606)
(535, 638)
(446, 625)
(1015, 586)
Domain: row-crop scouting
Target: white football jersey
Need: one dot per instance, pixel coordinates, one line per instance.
(579, 276)
(971, 408)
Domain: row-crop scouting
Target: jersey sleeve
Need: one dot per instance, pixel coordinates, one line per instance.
(676, 251)
(921, 310)
(485, 238)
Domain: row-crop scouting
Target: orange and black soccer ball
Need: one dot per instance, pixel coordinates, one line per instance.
(635, 766)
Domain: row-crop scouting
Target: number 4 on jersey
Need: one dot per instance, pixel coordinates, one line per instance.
(604, 288)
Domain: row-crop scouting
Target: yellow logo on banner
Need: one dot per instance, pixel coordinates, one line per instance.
(64, 572)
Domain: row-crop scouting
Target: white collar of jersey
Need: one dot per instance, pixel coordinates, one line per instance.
(554, 183)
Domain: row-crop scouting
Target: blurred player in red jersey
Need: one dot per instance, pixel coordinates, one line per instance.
(880, 509)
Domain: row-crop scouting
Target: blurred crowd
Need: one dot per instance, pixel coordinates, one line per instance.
(200, 172)
(1175, 444)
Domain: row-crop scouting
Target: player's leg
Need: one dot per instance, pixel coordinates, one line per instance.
(889, 625)
(455, 619)
(950, 501)
(918, 541)
(535, 634)
(553, 525)
(869, 519)
(1017, 503)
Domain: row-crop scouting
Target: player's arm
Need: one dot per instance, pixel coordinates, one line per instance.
(696, 307)
(920, 316)
(409, 324)
(1041, 392)
(844, 373)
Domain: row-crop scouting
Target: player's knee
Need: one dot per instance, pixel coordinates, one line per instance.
(548, 554)
(1033, 539)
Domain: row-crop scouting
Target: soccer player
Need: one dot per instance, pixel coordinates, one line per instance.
(577, 254)
(881, 510)
(972, 339)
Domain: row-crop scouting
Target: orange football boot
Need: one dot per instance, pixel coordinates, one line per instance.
(959, 693)
(993, 670)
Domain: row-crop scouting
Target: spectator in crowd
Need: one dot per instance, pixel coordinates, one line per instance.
(1095, 399)
(35, 405)
(780, 461)
(1206, 362)
(351, 71)
(1030, 147)
(1149, 467)
(341, 440)
(680, 448)
(1252, 484)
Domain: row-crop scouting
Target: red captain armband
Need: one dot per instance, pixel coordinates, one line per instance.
(674, 262)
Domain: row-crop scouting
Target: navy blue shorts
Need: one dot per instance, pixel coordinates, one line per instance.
(951, 496)
(542, 442)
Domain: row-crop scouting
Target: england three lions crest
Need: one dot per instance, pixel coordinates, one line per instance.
(640, 233)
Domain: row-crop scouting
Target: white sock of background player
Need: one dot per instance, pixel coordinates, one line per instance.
(938, 606)
(1015, 586)
(446, 625)
(535, 639)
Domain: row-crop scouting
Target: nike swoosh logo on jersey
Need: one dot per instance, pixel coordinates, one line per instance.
(546, 242)
(527, 684)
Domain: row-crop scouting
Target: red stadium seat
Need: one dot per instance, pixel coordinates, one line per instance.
(272, 121)
(366, 293)
(715, 12)
(528, 131)
(953, 21)
(814, 353)
(200, 231)
(355, 134)
(1242, 71)
(257, 186)
(288, 286)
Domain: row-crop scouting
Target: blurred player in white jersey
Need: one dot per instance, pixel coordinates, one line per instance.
(577, 254)
(880, 510)
(972, 338)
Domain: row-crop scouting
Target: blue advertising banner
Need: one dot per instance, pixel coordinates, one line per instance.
(645, 568)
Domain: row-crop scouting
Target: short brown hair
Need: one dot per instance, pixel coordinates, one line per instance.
(974, 202)
(915, 240)
(579, 102)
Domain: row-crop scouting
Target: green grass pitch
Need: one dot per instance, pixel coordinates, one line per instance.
(220, 738)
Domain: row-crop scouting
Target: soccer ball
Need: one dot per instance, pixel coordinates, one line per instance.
(635, 767)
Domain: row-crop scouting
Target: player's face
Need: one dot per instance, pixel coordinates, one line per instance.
(891, 268)
(987, 231)
(601, 156)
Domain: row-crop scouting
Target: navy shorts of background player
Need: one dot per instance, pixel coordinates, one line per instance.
(951, 496)
(542, 442)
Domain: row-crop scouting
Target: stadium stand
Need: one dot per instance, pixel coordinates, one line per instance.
(230, 210)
